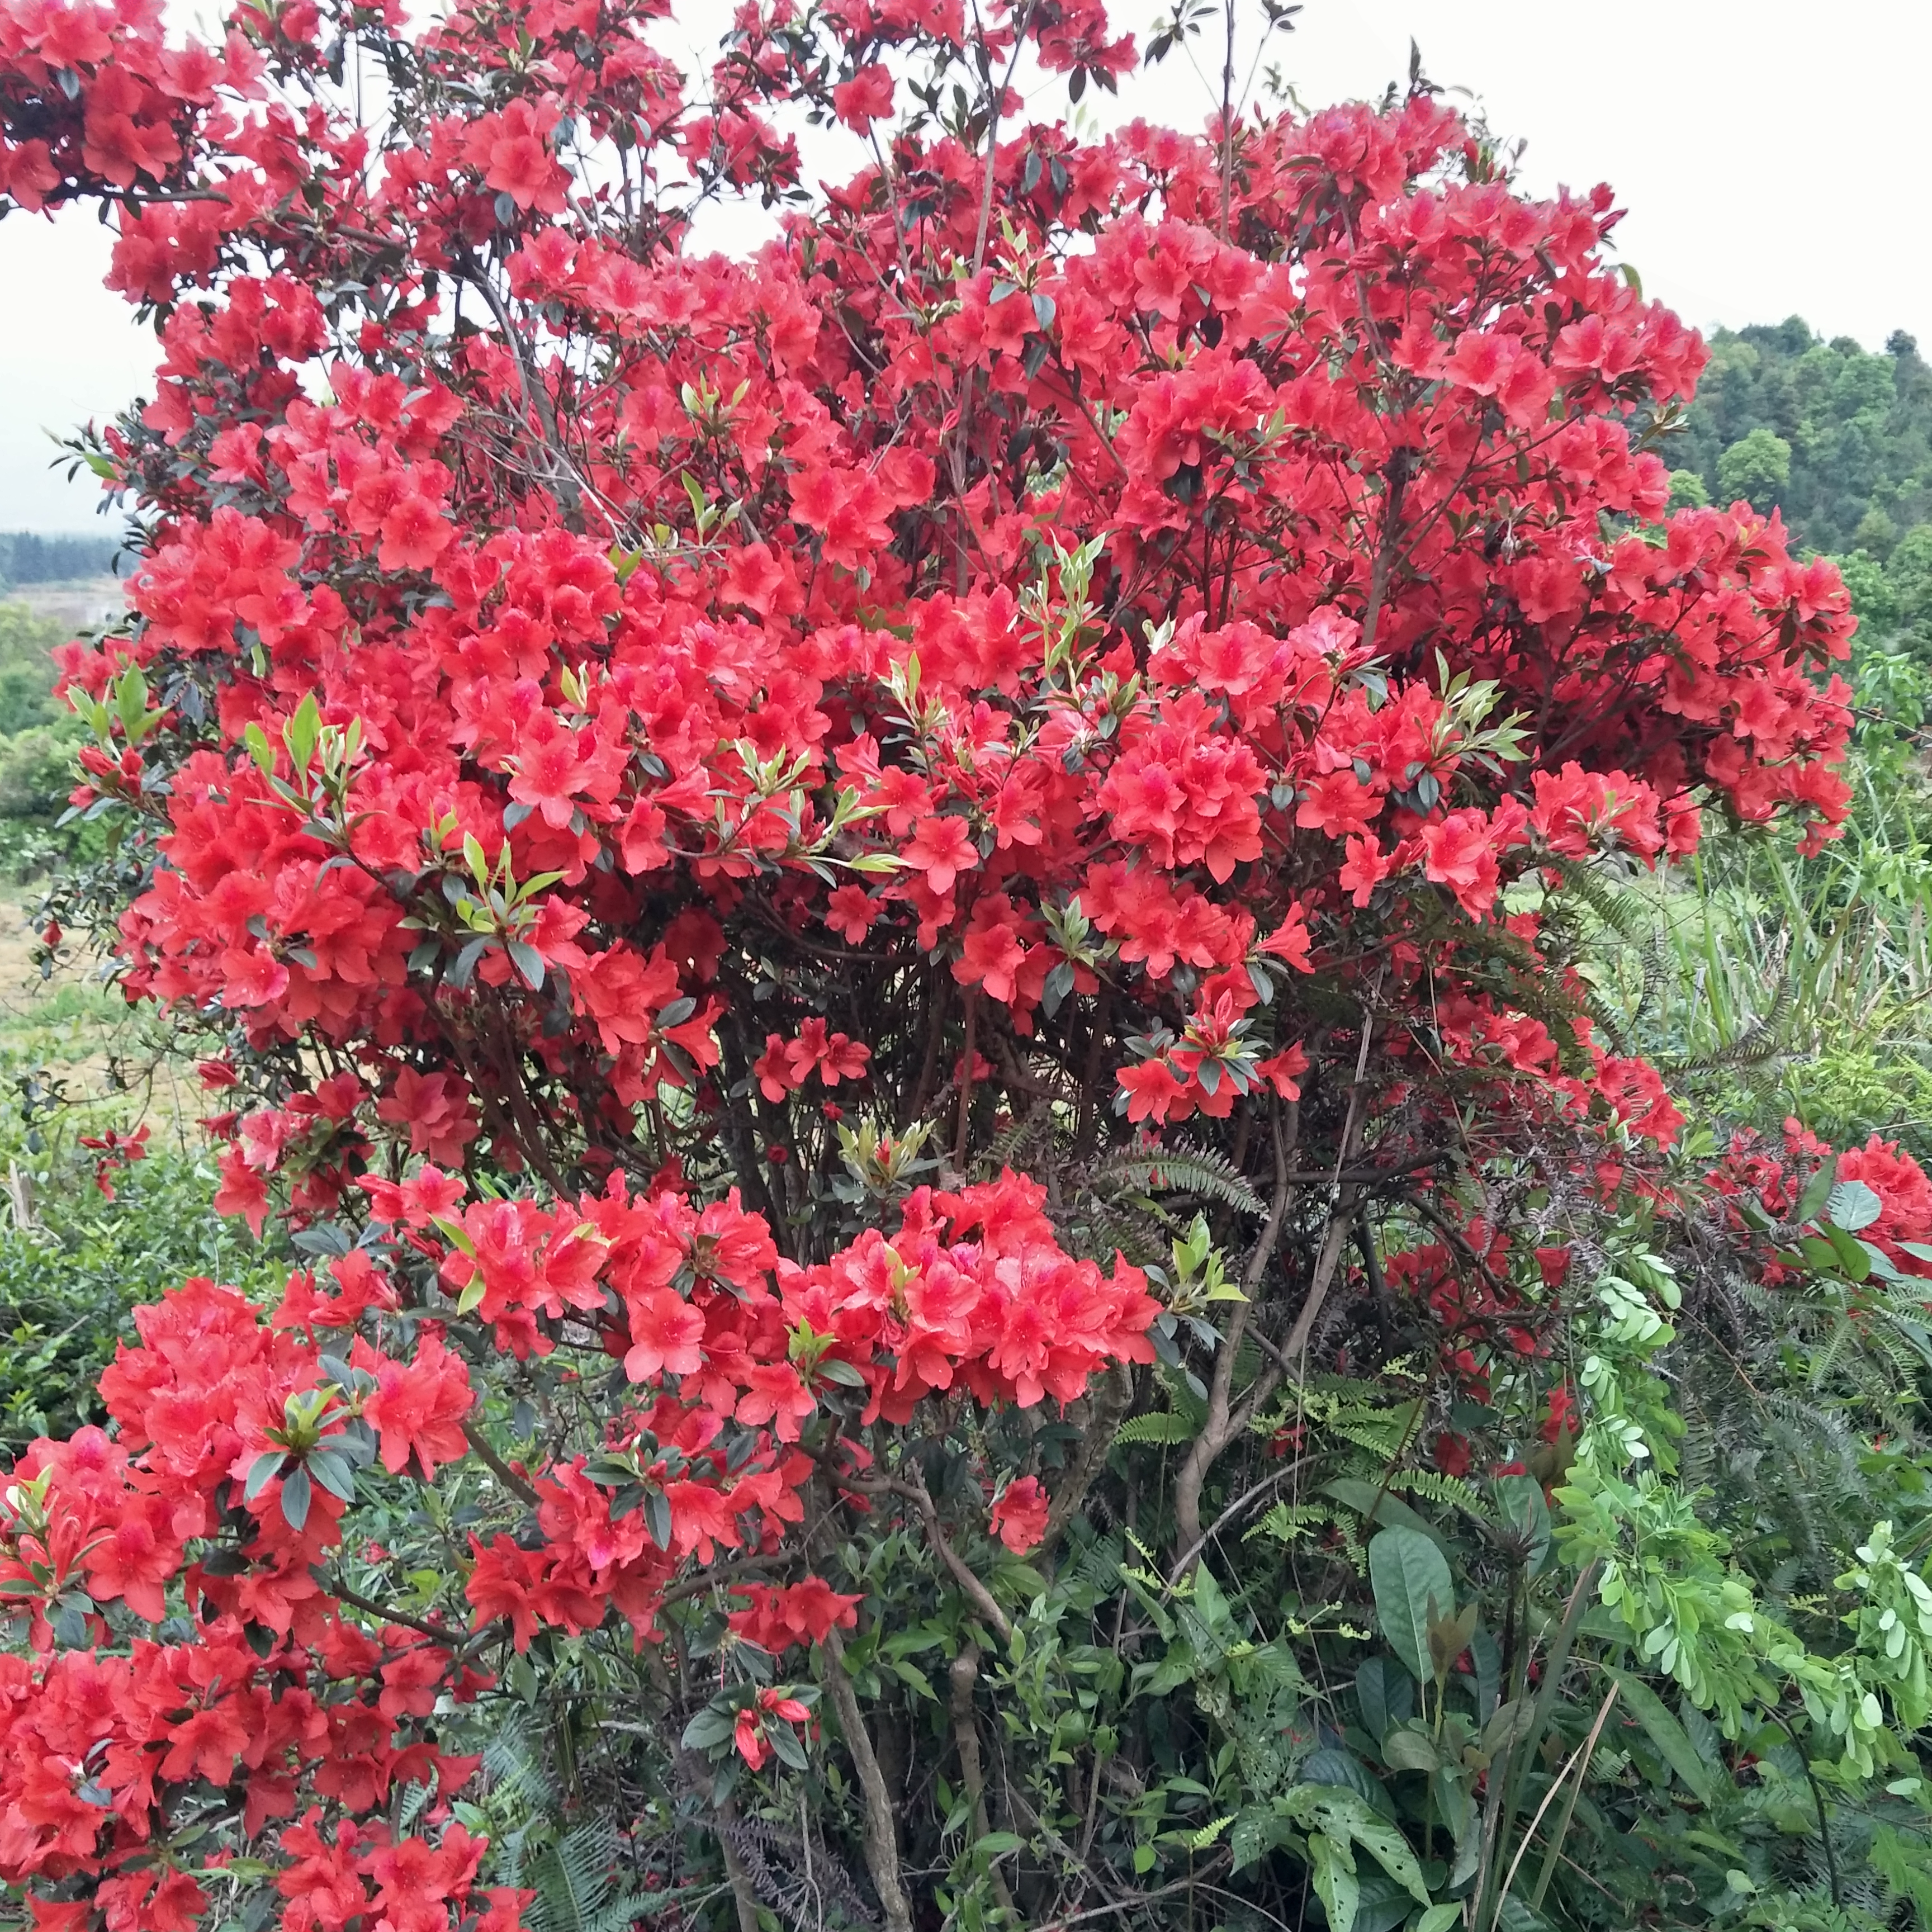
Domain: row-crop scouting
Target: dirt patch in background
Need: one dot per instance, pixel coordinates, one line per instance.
(74, 1033)
(84, 602)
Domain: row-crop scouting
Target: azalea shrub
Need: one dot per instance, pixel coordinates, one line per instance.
(897, 924)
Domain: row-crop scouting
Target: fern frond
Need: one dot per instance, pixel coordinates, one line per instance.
(1180, 1170)
(573, 1880)
(1439, 1488)
(1163, 1426)
(1627, 912)
(516, 1770)
(1289, 1522)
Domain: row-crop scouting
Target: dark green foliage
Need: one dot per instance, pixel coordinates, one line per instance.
(1857, 428)
(26, 672)
(38, 737)
(73, 1263)
(27, 558)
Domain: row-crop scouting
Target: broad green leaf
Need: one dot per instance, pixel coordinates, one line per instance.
(261, 1472)
(1852, 1205)
(529, 963)
(1331, 1765)
(1343, 1817)
(657, 1517)
(1257, 1831)
(1385, 1695)
(1663, 1730)
(1853, 1256)
(710, 1726)
(1818, 1254)
(1811, 1202)
(1389, 1512)
(1439, 1917)
(131, 699)
(1407, 1748)
(334, 1474)
(1410, 1577)
(1336, 1884)
(301, 731)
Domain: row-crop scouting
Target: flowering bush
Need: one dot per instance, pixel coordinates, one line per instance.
(751, 837)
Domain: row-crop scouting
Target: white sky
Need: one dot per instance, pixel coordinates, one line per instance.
(1772, 158)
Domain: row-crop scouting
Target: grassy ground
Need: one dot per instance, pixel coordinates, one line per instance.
(95, 1061)
(76, 1256)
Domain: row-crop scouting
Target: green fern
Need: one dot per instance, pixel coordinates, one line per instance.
(1625, 911)
(1438, 1488)
(575, 1880)
(1165, 1426)
(1180, 1170)
(1289, 1522)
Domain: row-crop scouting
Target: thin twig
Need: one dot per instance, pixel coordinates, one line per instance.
(1238, 1508)
(497, 1467)
(341, 1591)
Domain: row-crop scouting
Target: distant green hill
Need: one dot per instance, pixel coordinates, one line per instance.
(1837, 438)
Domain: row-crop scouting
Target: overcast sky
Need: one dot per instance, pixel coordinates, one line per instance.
(1772, 158)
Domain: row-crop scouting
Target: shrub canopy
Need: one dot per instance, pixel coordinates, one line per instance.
(751, 839)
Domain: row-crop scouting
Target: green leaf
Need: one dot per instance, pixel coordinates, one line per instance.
(1816, 1253)
(1818, 1191)
(657, 1517)
(710, 1726)
(996, 1844)
(1525, 1510)
(528, 961)
(914, 1678)
(296, 1494)
(1852, 1205)
(1372, 1500)
(1256, 1831)
(261, 1472)
(1410, 1577)
(1439, 1917)
(1344, 1817)
(1408, 1748)
(130, 696)
(301, 731)
(1853, 1257)
(1336, 1884)
(1673, 1741)
(332, 1473)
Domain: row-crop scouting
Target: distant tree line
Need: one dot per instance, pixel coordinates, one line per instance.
(27, 558)
(1837, 438)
